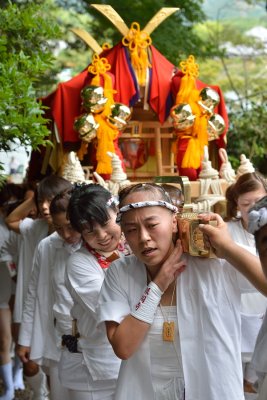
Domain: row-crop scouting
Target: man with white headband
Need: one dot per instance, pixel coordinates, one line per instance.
(258, 226)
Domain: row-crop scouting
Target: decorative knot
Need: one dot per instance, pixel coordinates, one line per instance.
(138, 41)
(136, 38)
(106, 46)
(190, 67)
(99, 65)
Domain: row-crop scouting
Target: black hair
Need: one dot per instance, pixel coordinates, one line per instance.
(49, 187)
(60, 202)
(88, 205)
(11, 192)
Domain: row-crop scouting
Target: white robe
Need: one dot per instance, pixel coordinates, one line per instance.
(46, 312)
(208, 309)
(32, 232)
(84, 278)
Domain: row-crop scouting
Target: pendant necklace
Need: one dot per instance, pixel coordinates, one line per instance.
(168, 329)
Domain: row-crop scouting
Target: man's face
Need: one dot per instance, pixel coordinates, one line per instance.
(261, 243)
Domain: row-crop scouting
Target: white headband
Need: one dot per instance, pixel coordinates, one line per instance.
(148, 203)
(257, 216)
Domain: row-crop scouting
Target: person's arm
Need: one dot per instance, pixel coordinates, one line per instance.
(26, 327)
(21, 212)
(127, 336)
(245, 262)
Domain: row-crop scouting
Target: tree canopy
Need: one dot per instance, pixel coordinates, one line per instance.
(25, 55)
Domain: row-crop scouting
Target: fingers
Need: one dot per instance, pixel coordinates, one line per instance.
(206, 217)
(180, 270)
(23, 353)
(171, 268)
(207, 229)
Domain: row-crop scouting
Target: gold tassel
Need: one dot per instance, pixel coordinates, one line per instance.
(189, 94)
(105, 133)
(138, 41)
(105, 142)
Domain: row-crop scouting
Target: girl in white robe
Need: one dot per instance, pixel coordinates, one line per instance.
(46, 313)
(32, 232)
(178, 334)
(92, 212)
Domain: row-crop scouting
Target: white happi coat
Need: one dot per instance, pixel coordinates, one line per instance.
(32, 232)
(84, 278)
(46, 312)
(208, 309)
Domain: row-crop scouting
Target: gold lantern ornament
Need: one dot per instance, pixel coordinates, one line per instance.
(209, 99)
(87, 127)
(216, 126)
(119, 116)
(93, 99)
(182, 116)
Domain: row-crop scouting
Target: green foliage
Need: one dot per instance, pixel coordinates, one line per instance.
(242, 78)
(25, 54)
(247, 133)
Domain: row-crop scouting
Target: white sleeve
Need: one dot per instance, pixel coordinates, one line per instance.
(25, 332)
(113, 301)
(25, 225)
(84, 278)
(10, 248)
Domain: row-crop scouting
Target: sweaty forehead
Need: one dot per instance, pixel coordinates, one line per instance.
(141, 196)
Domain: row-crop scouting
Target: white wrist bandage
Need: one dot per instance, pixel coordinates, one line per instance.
(146, 308)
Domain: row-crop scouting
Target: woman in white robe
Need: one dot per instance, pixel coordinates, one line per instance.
(46, 312)
(32, 232)
(92, 212)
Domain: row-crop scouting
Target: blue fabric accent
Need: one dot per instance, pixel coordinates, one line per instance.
(136, 97)
(169, 104)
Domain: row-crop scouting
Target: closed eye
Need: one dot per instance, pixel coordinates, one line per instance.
(130, 230)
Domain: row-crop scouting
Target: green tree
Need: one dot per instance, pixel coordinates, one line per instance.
(25, 54)
(239, 69)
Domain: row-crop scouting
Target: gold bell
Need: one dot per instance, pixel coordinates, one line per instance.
(119, 116)
(182, 116)
(86, 126)
(209, 99)
(216, 126)
(93, 98)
